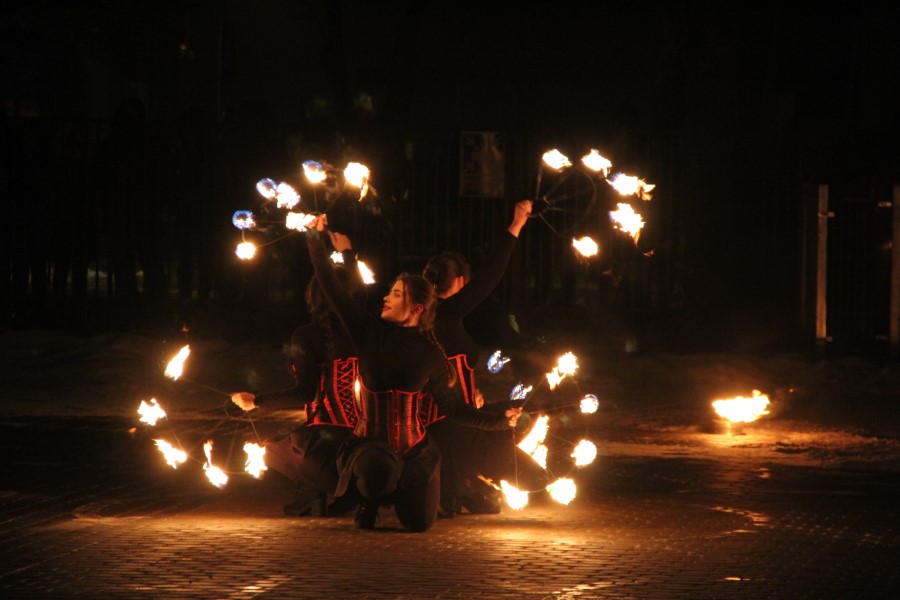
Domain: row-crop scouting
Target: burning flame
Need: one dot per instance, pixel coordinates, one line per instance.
(287, 196)
(628, 185)
(173, 456)
(255, 463)
(533, 443)
(597, 163)
(625, 219)
(298, 221)
(562, 490)
(496, 362)
(365, 272)
(520, 391)
(566, 364)
(556, 159)
(514, 497)
(245, 250)
(176, 365)
(585, 246)
(357, 175)
(314, 171)
(151, 413)
(215, 475)
(267, 188)
(584, 453)
(742, 410)
(243, 219)
(589, 404)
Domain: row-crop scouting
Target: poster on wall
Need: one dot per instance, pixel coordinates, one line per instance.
(482, 165)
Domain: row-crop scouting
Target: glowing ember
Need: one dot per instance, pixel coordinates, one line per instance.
(532, 444)
(496, 361)
(514, 497)
(562, 490)
(595, 162)
(585, 246)
(173, 456)
(298, 221)
(314, 171)
(743, 410)
(255, 463)
(628, 185)
(625, 219)
(589, 404)
(176, 366)
(556, 159)
(287, 196)
(243, 219)
(245, 250)
(151, 413)
(215, 475)
(584, 453)
(337, 258)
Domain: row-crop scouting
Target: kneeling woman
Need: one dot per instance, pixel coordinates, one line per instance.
(390, 458)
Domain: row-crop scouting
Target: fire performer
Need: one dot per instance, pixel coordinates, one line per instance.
(390, 458)
(322, 361)
(464, 450)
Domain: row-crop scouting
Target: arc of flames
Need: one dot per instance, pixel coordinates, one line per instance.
(533, 443)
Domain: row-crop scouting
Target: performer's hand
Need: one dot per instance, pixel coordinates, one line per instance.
(478, 397)
(339, 241)
(512, 415)
(520, 216)
(245, 400)
(319, 223)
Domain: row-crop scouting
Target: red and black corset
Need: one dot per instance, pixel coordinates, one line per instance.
(336, 402)
(391, 417)
(465, 379)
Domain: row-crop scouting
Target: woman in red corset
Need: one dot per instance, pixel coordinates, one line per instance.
(390, 459)
(322, 361)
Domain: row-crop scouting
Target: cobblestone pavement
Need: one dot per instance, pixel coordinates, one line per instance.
(90, 511)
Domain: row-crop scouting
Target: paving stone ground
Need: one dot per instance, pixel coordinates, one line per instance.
(88, 511)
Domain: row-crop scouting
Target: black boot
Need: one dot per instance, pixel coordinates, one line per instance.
(366, 515)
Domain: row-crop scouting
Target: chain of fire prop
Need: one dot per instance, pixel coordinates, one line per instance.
(335, 184)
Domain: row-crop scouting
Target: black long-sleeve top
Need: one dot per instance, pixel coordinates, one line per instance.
(462, 350)
(396, 364)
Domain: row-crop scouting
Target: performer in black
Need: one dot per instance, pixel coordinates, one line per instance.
(467, 453)
(323, 363)
(390, 459)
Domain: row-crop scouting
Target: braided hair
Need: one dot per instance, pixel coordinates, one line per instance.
(418, 290)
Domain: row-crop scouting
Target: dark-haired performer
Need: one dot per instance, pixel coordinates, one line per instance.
(322, 361)
(467, 453)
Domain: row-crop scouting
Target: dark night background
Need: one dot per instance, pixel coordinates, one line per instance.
(731, 111)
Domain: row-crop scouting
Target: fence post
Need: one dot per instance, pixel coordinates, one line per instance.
(822, 269)
(894, 327)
